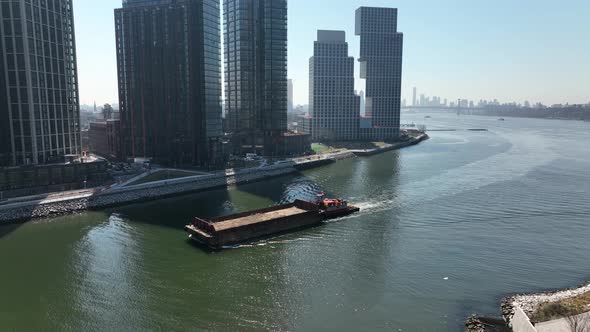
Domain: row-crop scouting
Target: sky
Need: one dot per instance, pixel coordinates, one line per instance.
(510, 50)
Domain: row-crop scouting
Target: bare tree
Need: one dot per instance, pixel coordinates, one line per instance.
(579, 323)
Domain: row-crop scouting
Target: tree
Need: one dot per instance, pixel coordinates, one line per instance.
(578, 323)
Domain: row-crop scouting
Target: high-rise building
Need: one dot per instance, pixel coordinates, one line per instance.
(290, 96)
(362, 96)
(334, 106)
(256, 73)
(381, 67)
(414, 97)
(169, 73)
(39, 105)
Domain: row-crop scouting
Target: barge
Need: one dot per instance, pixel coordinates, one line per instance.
(234, 229)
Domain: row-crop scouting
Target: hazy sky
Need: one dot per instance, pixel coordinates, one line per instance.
(512, 50)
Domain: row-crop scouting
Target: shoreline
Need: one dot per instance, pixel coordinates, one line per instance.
(516, 116)
(120, 196)
(514, 306)
(517, 309)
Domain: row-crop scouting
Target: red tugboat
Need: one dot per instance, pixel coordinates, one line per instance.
(220, 232)
(334, 208)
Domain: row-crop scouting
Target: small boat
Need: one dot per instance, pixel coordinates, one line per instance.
(220, 232)
(501, 119)
(427, 117)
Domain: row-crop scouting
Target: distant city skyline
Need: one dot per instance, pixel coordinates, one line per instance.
(457, 51)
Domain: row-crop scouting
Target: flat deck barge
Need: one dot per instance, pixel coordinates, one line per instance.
(220, 232)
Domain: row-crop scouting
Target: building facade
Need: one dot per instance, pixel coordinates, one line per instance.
(169, 75)
(380, 60)
(104, 138)
(333, 104)
(362, 96)
(255, 44)
(39, 106)
(290, 96)
(97, 138)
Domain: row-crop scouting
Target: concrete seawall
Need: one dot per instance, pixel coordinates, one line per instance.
(141, 193)
(517, 309)
(314, 164)
(161, 189)
(521, 323)
(372, 152)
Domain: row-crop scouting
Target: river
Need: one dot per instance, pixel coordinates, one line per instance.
(447, 228)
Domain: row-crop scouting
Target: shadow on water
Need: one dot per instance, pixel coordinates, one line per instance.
(7, 229)
(175, 212)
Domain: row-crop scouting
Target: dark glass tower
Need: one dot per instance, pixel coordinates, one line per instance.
(333, 104)
(256, 73)
(381, 66)
(39, 107)
(169, 67)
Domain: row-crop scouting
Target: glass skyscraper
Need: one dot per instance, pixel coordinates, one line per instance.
(381, 66)
(256, 73)
(39, 106)
(333, 104)
(169, 73)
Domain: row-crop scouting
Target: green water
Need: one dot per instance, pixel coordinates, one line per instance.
(494, 212)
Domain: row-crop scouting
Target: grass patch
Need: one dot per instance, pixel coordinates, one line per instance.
(162, 175)
(568, 307)
(319, 148)
(358, 145)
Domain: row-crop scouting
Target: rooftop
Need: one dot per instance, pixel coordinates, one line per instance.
(331, 36)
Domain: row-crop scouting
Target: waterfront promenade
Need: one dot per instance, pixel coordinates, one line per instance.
(35, 207)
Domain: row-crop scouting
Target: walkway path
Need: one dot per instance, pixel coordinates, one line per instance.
(48, 198)
(562, 325)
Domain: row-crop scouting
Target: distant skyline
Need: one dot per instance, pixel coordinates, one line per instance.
(505, 50)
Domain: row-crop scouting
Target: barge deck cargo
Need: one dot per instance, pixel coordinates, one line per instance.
(237, 228)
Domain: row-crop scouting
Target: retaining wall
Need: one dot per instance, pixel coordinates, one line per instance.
(397, 146)
(166, 188)
(520, 322)
(143, 192)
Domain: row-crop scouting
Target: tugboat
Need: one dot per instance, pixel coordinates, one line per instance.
(334, 208)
